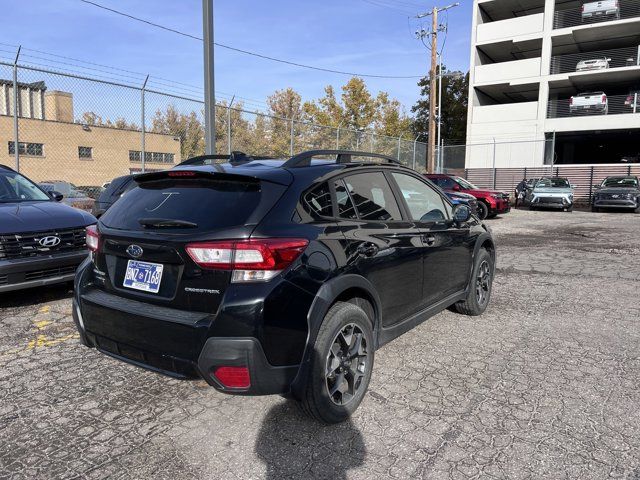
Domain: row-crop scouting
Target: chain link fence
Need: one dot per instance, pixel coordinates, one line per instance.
(75, 133)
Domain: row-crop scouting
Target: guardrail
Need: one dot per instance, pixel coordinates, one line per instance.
(615, 105)
(614, 58)
(573, 17)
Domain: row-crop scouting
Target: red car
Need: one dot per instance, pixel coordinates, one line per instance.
(490, 202)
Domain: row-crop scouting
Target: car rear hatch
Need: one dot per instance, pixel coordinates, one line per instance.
(147, 291)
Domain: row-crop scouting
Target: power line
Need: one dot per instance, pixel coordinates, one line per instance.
(247, 52)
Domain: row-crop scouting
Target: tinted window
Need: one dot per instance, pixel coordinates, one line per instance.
(210, 204)
(373, 197)
(425, 204)
(317, 202)
(446, 183)
(343, 201)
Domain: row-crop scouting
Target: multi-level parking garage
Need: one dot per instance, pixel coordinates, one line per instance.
(564, 73)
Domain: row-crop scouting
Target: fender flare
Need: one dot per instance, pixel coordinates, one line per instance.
(482, 238)
(321, 304)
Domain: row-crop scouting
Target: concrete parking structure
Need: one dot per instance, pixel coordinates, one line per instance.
(545, 384)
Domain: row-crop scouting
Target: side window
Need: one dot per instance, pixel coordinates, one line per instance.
(317, 202)
(343, 201)
(447, 183)
(373, 197)
(425, 204)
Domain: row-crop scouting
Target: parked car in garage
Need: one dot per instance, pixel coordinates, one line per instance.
(551, 192)
(490, 202)
(112, 192)
(42, 240)
(599, 9)
(72, 196)
(278, 276)
(617, 192)
(633, 100)
(593, 64)
(589, 102)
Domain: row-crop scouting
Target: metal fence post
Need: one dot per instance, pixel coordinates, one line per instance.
(635, 102)
(229, 124)
(143, 127)
(494, 163)
(291, 147)
(399, 142)
(16, 135)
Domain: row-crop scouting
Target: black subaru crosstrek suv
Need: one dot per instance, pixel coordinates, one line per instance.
(278, 276)
(42, 241)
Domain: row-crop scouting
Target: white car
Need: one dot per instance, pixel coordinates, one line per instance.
(590, 102)
(593, 64)
(603, 8)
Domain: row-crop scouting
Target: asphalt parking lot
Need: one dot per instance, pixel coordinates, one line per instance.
(546, 384)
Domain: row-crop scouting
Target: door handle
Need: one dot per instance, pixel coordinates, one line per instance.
(368, 249)
(429, 240)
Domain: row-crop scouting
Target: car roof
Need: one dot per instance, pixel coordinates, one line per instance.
(275, 170)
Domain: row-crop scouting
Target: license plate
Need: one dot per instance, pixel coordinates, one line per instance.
(143, 276)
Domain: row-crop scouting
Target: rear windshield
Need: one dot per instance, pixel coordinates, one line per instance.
(205, 204)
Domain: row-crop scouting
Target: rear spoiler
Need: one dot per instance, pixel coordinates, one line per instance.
(194, 174)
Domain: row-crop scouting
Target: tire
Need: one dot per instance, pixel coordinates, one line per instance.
(482, 210)
(637, 210)
(594, 209)
(532, 207)
(493, 215)
(569, 208)
(323, 398)
(481, 281)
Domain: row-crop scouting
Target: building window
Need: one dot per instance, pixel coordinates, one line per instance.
(151, 157)
(85, 152)
(34, 149)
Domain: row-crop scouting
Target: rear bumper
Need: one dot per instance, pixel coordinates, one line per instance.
(174, 343)
(17, 274)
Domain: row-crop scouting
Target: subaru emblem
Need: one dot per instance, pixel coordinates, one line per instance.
(49, 242)
(135, 251)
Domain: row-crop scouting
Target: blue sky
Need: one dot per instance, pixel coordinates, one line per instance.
(351, 35)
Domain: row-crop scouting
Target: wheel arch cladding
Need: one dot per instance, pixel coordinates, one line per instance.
(348, 288)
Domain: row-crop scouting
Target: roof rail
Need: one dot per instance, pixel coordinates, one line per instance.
(235, 157)
(342, 156)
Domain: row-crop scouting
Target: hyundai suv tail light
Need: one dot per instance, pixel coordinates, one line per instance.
(92, 238)
(252, 260)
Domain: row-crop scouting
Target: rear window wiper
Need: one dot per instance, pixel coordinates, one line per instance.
(166, 223)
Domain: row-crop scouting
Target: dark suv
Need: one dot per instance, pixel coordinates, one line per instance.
(42, 241)
(278, 277)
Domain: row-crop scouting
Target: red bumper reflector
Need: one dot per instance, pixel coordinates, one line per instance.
(233, 377)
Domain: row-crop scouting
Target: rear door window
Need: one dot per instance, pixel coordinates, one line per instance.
(206, 203)
(373, 197)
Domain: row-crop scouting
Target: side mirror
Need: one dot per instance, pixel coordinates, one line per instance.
(596, 186)
(461, 213)
(456, 187)
(56, 196)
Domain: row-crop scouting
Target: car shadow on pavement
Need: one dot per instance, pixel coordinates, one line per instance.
(35, 296)
(295, 446)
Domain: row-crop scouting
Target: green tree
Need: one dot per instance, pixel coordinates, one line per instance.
(455, 96)
(187, 127)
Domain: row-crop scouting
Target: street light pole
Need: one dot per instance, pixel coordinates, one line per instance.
(209, 83)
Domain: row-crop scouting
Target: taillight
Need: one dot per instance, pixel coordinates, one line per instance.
(180, 173)
(252, 260)
(92, 238)
(604, 99)
(233, 377)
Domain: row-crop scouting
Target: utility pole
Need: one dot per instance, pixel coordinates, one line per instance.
(209, 84)
(435, 29)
